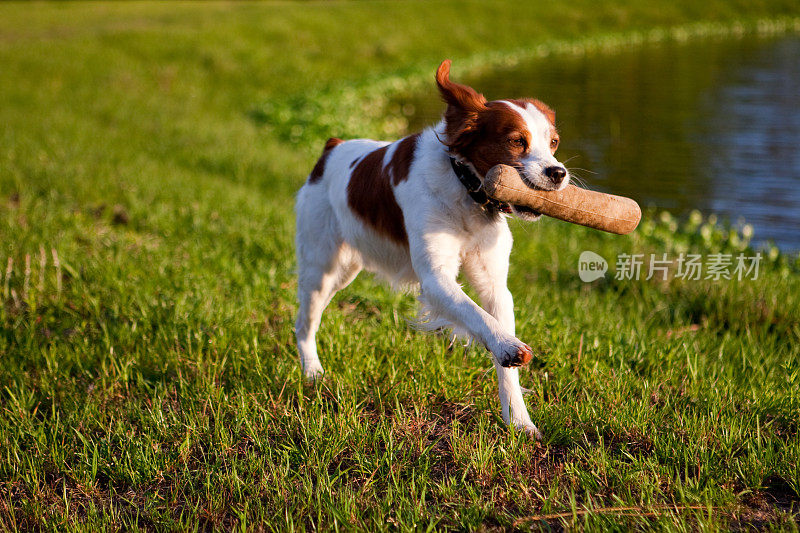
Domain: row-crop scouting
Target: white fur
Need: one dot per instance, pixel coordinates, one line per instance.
(447, 232)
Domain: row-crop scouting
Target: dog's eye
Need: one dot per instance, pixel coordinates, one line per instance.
(519, 141)
(553, 144)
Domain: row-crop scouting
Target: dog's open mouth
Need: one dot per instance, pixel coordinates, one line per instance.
(526, 210)
(525, 213)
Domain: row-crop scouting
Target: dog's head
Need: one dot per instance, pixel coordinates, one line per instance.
(519, 133)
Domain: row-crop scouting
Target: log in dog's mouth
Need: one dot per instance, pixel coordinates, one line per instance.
(521, 211)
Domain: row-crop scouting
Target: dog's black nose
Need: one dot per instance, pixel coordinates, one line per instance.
(556, 174)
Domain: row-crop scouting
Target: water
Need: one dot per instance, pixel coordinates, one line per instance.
(712, 125)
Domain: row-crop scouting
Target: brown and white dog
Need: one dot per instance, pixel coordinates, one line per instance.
(412, 212)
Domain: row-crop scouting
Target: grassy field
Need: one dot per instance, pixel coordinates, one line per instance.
(149, 154)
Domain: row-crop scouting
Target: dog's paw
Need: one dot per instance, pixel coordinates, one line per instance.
(313, 372)
(529, 429)
(513, 353)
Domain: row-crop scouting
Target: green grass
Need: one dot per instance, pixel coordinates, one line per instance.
(149, 379)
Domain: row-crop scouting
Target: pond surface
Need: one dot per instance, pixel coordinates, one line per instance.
(711, 124)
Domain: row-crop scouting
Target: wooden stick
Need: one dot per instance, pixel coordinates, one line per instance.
(607, 212)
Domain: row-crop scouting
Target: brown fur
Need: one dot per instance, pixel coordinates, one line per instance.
(501, 127)
(319, 168)
(402, 158)
(370, 196)
(464, 106)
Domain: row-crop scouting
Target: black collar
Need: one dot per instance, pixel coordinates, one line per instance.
(474, 187)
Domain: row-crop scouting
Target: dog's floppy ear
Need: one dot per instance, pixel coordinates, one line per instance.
(463, 106)
(455, 94)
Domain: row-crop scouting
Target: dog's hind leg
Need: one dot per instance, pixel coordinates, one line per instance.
(325, 264)
(317, 283)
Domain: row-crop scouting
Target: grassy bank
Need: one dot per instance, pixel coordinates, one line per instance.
(148, 373)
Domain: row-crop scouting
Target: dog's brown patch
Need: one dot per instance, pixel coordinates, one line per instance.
(319, 168)
(332, 143)
(549, 114)
(402, 158)
(370, 196)
(492, 144)
(464, 105)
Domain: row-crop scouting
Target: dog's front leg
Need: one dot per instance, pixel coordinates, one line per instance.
(486, 269)
(436, 260)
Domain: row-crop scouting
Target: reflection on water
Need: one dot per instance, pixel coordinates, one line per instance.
(708, 125)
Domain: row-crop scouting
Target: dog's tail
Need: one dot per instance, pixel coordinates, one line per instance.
(319, 168)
